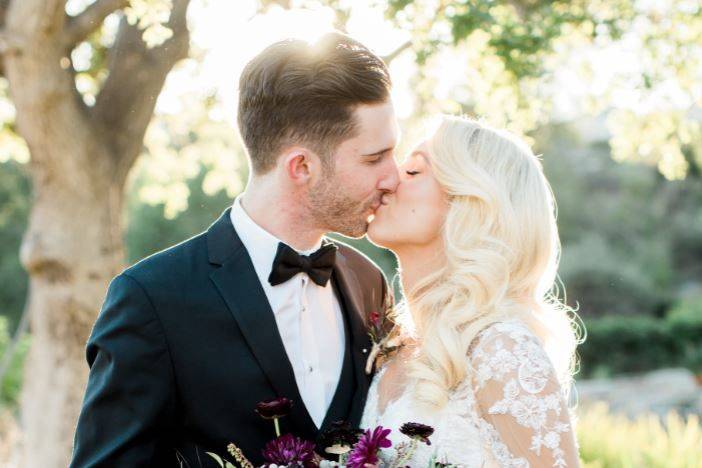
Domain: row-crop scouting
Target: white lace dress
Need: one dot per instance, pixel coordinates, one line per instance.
(512, 413)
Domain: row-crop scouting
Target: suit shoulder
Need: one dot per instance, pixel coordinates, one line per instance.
(171, 260)
(356, 259)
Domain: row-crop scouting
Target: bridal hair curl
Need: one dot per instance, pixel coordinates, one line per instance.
(502, 252)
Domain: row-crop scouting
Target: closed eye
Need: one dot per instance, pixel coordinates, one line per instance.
(412, 172)
(375, 158)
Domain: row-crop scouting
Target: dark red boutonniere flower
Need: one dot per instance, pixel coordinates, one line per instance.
(375, 319)
(381, 329)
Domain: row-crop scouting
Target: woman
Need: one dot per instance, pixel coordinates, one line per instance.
(488, 352)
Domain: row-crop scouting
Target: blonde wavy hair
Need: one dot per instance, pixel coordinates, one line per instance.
(502, 252)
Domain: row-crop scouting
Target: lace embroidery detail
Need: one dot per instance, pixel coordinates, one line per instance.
(499, 448)
(505, 415)
(516, 359)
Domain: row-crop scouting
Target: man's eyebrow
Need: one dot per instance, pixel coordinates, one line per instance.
(380, 152)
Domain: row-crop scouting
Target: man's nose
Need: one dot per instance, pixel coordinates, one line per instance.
(391, 179)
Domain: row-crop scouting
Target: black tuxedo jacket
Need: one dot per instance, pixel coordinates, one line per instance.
(186, 344)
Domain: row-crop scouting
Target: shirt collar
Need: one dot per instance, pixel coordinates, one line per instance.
(261, 244)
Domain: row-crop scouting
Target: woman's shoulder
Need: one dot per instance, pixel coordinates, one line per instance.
(511, 330)
(509, 349)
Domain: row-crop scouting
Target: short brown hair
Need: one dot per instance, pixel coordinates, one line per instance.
(296, 92)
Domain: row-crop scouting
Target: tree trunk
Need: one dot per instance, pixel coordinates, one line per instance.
(71, 250)
(80, 159)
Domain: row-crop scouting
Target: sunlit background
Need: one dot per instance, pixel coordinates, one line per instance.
(609, 93)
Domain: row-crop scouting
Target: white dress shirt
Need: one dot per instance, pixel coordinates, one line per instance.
(308, 317)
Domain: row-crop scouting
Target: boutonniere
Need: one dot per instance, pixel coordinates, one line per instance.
(384, 337)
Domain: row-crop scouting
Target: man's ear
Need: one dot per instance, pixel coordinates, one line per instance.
(299, 164)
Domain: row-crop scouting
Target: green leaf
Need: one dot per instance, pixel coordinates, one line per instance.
(218, 459)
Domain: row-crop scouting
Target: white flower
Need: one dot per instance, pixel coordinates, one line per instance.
(328, 464)
(338, 449)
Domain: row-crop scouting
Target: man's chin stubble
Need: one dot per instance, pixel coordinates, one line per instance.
(356, 231)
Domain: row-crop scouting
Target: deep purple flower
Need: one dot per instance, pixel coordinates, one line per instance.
(417, 431)
(340, 433)
(289, 450)
(275, 408)
(366, 449)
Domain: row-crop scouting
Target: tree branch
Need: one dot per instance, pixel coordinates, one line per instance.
(4, 5)
(520, 8)
(31, 22)
(9, 44)
(80, 26)
(124, 107)
(265, 5)
(393, 55)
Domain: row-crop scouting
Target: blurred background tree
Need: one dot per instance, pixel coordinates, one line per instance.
(118, 140)
(83, 125)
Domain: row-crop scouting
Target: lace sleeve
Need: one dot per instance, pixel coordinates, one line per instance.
(522, 412)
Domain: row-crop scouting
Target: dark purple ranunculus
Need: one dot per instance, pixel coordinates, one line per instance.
(417, 431)
(275, 408)
(340, 434)
(366, 449)
(288, 450)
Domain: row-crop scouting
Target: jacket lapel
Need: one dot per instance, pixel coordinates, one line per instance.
(238, 284)
(340, 405)
(351, 294)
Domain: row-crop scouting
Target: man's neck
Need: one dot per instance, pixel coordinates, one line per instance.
(280, 216)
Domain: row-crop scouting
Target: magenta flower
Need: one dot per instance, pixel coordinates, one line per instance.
(366, 449)
(288, 450)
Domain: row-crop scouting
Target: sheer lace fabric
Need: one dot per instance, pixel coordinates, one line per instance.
(510, 413)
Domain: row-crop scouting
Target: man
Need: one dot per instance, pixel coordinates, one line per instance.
(261, 305)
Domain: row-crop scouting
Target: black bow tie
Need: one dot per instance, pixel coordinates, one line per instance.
(288, 263)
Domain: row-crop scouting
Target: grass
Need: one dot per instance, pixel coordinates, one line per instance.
(613, 441)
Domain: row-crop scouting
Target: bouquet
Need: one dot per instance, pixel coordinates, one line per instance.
(353, 448)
